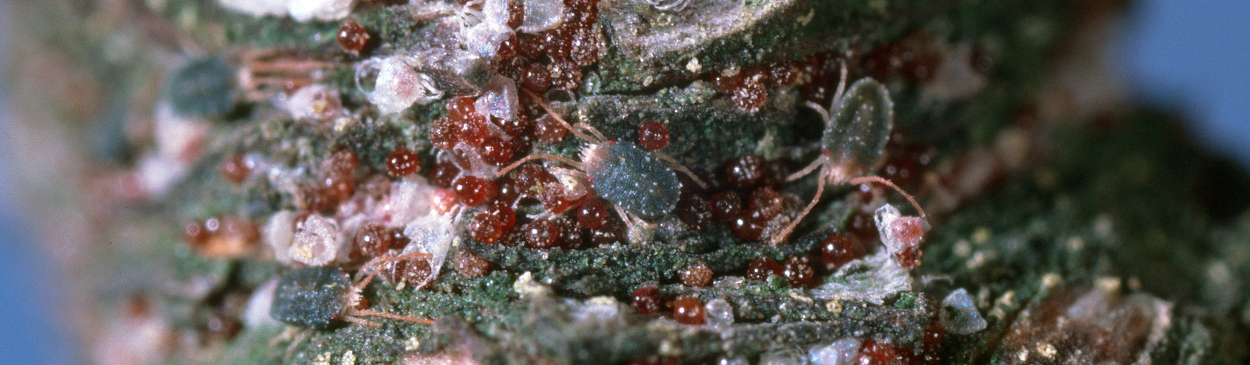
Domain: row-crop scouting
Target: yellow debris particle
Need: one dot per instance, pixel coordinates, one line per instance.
(803, 20)
(525, 285)
(981, 235)
(667, 348)
(997, 313)
(601, 301)
(1075, 244)
(834, 306)
(1003, 304)
(694, 66)
(1050, 280)
(963, 248)
(1047, 350)
(978, 259)
(1008, 299)
(341, 124)
(1108, 284)
(322, 359)
(798, 296)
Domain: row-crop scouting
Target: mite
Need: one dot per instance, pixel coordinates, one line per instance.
(318, 297)
(857, 127)
(637, 182)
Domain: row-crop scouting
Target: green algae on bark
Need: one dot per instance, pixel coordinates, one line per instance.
(1033, 216)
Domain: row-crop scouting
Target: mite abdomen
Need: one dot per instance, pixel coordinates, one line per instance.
(635, 180)
(310, 297)
(861, 124)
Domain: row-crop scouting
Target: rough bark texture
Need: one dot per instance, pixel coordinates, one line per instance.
(1084, 228)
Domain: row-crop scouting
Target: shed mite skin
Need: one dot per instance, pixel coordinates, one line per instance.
(318, 297)
(857, 126)
(629, 177)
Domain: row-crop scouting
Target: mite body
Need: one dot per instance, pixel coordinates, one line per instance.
(640, 184)
(311, 297)
(631, 178)
(319, 297)
(204, 87)
(857, 126)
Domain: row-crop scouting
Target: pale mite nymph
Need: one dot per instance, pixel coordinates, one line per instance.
(857, 127)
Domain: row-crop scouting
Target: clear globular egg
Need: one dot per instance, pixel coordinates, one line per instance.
(719, 312)
(843, 351)
(959, 314)
(541, 15)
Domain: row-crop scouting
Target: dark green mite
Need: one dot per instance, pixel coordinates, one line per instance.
(632, 178)
(203, 87)
(640, 184)
(311, 297)
(319, 297)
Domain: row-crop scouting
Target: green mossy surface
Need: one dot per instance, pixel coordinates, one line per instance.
(1125, 199)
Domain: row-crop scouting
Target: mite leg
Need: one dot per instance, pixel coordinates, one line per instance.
(592, 130)
(353, 294)
(841, 88)
(291, 348)
(867, 179)
(372, 265)
(536, 156)
(820, 188)
(373, 313)
(543, 104)
(639, 230)
(682, 169)
(824, 114)
(359, 321)
(819, 162)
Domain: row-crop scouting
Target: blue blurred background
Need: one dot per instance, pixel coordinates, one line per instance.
(1194, 56)
(1188, 55)
(31, 329)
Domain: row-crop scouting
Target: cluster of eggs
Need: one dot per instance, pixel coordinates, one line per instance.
(475, 141)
